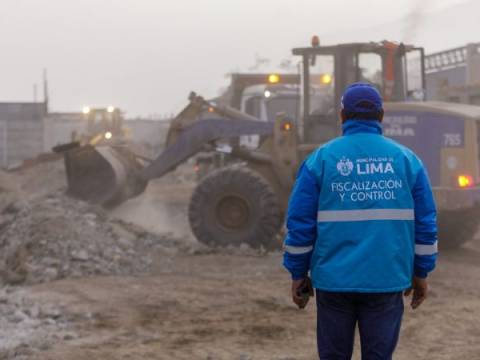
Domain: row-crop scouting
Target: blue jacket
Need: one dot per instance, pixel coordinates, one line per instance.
(361, 216)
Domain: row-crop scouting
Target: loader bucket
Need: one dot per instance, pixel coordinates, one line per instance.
(103, 175)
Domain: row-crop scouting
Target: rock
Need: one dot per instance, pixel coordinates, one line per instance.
(49, 322)
(69, 336)
(34, 311)
(13, 208)
(50, 274)
(90, 216)
(91, 223)
(3, 297)
(17, 316)
(14, 278)
(44, 346)
(50, 313)
(124, 243)
(80, 255)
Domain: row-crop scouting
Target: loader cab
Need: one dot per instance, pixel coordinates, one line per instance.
(397, 70)
(260, 86)
(263, 96)
(103, 124)
(265, 101)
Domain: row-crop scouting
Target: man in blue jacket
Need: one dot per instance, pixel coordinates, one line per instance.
(362, 221)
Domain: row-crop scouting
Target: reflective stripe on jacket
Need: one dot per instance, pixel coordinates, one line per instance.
(361, 215)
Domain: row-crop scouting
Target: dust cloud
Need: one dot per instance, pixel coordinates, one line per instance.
(158, 210)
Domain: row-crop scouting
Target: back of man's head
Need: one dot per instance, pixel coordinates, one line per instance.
(362, 101)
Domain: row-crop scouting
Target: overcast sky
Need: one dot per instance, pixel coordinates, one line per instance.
(146, 55)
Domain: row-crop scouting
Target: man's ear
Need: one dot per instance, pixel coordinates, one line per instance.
(343, 116)
(380, 116)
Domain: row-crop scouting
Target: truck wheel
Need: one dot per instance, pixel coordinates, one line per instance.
(235, 205)
(456, 227)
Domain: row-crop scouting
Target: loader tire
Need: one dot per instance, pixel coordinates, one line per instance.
(456, 227)
(235, 205)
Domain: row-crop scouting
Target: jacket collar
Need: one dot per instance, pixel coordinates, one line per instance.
(351, 127)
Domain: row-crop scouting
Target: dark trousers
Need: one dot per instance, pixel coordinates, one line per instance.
(378, 316)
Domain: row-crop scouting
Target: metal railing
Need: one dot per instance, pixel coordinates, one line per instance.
(445, 60)
(448, 59)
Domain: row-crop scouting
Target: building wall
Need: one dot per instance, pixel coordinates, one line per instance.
(152, 133)
(24, 140)
(59, 128)
(452, 77)
(26, 132)
(21, 132)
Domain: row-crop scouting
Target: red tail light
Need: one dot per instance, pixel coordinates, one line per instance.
(465, 181)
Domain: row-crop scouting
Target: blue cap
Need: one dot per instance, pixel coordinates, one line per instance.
(362, 98)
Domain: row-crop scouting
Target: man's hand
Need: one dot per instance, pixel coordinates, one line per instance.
(420, 289)
(302, 290)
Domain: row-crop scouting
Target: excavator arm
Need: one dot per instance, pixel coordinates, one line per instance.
(110, 175)
(201, 123)
(194, 138)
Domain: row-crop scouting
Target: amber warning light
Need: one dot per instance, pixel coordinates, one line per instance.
(273, 78)
(326, 79)
(465, 181)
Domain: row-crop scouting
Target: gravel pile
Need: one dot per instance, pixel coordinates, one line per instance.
(26, 326)
(45, 235)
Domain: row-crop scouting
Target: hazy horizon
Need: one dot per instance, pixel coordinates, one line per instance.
(145, 56)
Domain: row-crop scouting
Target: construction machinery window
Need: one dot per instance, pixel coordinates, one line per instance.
(322, 85)
(370, 68)
(414, 79)
(283, 104)
(253, 106)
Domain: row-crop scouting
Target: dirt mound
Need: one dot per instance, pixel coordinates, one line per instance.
(45, 235)
(26, 326)
(38, 181)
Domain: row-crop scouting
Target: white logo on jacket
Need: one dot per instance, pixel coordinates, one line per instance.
(375, 168)
(345, 167)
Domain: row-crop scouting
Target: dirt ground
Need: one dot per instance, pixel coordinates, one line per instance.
(231, 304)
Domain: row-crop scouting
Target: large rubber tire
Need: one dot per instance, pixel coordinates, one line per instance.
(235, 205)
(456, 227)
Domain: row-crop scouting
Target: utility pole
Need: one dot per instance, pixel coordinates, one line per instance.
(46, 98)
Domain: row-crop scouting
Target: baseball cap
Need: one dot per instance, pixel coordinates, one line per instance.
(361, 98)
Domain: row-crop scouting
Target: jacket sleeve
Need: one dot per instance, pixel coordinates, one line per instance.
(426, 244)
(301, 224)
